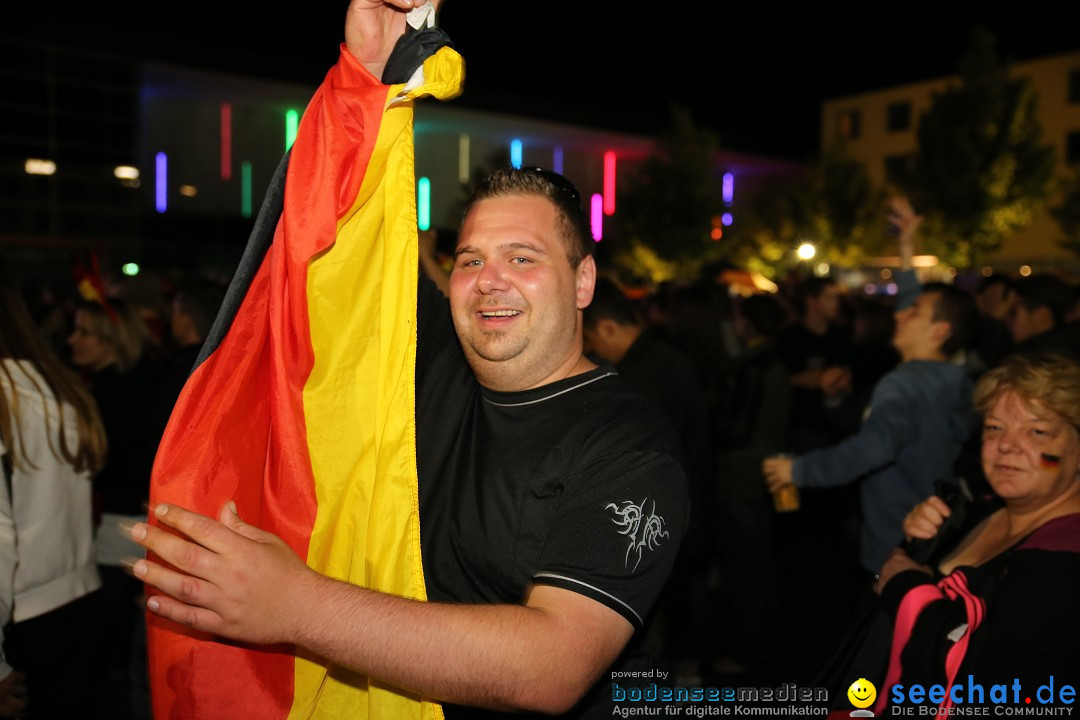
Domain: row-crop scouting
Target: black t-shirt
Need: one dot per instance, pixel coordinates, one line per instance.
(572, 484)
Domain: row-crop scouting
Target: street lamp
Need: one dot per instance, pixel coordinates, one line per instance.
(806, 251)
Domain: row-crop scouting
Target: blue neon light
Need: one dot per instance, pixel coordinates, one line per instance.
(161, 182)
(515, 153)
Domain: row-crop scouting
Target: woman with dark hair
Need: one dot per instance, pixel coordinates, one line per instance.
(1000, 604)
(52, 441)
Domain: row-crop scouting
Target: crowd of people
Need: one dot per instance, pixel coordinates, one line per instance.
(867, 410)
(81, 414)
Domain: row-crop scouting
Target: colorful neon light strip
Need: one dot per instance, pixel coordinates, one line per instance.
(161, 182)
(226, 141)
(597, 217)
(609, 183)
(245, 189)
(292, 123)
(423, 203)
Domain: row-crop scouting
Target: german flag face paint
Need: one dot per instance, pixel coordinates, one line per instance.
(1049, 462)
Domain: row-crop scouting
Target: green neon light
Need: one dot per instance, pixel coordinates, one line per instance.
(292, 123)
(245, 189)
(423, 203)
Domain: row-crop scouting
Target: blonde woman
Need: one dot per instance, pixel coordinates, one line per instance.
(52, 442)
(107, 345)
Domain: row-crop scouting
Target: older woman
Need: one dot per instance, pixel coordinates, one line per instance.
(1001, 605)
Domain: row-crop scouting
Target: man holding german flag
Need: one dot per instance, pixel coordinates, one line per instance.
(444, 502)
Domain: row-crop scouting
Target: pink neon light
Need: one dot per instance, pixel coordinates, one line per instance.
(596, 217)
(226, 141)
(609, 183)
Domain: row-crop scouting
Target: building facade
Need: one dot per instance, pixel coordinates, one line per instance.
(879, 129)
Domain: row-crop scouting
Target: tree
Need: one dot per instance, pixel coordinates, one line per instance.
(1067, 214)
(981, 172)
(834, 206)
(667, 207)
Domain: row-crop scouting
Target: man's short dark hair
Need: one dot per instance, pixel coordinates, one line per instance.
(507, 182)
(958, 308)
(610, 303)
(1045, 291)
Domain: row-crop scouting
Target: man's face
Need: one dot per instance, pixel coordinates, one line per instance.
(916, 329)
(515, 299)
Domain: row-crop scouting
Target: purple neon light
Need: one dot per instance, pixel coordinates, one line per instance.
(728, 188)
(556, 159)
(597, 216)
(161, 182)
(726, 219)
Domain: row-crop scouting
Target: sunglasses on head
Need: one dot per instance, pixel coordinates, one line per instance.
(564, 186)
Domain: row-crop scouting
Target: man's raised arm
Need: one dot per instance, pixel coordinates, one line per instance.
(235, 580)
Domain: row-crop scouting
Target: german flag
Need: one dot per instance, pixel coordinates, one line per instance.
(302, 407)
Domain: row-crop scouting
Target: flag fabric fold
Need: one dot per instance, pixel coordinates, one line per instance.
(302, 408)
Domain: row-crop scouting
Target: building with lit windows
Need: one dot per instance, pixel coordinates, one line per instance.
(879, 128)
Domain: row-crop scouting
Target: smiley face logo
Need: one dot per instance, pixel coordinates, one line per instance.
(862, 693)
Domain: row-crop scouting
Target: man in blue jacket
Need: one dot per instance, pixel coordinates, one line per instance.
(919, 415)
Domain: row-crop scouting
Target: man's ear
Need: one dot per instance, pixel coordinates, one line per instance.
(606, 328)
(586, 281)
(941, 331)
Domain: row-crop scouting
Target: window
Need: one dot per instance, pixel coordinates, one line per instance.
(1074, 86)
(898, 117)
(850, 125)
(897, 168)
(1072, 148)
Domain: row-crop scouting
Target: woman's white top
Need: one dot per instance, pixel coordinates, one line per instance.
(46, 536)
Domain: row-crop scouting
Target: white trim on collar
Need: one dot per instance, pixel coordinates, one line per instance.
(561, 392)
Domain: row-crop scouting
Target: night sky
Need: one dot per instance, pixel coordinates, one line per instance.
(756, 72)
